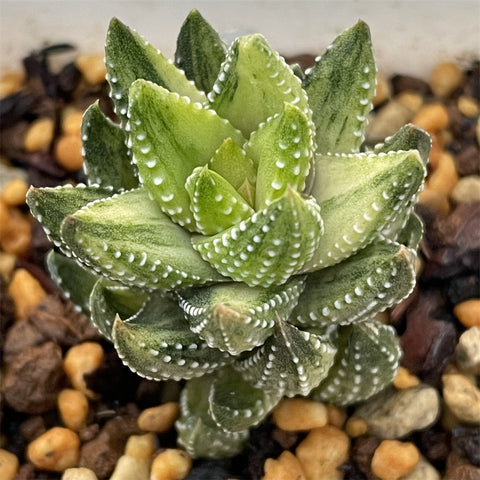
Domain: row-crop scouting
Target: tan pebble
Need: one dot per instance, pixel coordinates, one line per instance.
(82, 359)
(405, 379)
(462, 397)
(285, 467)
(448, 419)
(72, 121)
(10, 83)
(39, 135)
(437, 201)
(55, 450)
(140, 446)
(444, 178)
(8, 465)
(436, 151)
(26, 292)
(477, 131)
(92, 68)
(383, 90)
(68, 152)
(468, 106)
(356, 427)
(7, 265)
(15, 230)
(445, 78)
(79, 473)
(468, 312)
(322, 451)
(73, 407)
(411, 100)
(467, 351)
(14, 192)
(294, 414)
(336, 416)
(171, 464)
(393, 459)
(159, 419)
(432, 117)
(129, 468)
(467, 190)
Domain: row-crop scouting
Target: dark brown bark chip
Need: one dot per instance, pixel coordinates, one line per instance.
(467, 441)
(362, 453)
(459, 468)
(401, 83)
(102, 453)
(435, 445)
(34, 378)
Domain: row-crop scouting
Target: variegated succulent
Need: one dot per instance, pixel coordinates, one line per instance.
(235, 231)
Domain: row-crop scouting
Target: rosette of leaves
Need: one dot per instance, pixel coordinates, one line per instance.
(234, 231)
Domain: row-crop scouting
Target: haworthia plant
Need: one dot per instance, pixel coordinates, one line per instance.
(235, 231)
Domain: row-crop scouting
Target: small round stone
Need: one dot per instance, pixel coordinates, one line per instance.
(26, 292)
(73, 408)
(462, 397)
(14, 192)
(467, 352)
(285, 467)
(295, 414)
(55, 450)
(68, 152)
(79, 473)
(140, 446)
(171, 464)
(466, 190)
(322, 451)
(39, 135)
(356, 427)
(445, 177)
(405, 379)
(445, 78)
(159, 419)
(468, 312)
(432, 117)
(468, 106)
(8, 464)
(92, 68)
(393, 459)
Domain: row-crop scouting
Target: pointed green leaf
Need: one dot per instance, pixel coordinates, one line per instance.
(231, 162)
(292, 361)
(412, 232)
(368, 282)
(409, 137)
(235, 404)
(254, 83)
(235, 317)
(215, 204)
(282, 148)
(200, 51)
(157, 343)
(106, 159)
(269, 247)
(50, 205)
(128, 239)
(197, 431)
(129, 57)
(360, 196)
(367, 361)
(170, 136)
(109, 299)
(76, 282)
(340, 88)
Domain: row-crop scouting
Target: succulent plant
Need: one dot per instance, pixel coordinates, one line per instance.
(235, 231)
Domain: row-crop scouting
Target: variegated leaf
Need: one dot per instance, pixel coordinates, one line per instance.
(282, 147)
(197, 431)
(235, 404)
(292, 361)
(109, 299)
(412, 232)
(254, 83)
(366, 362)
(170, 136)
(50, 205)
(128, 239)
(75, 281)
(234, 317)
(215, 204)
(200, 51)
(361, 195)
(374, 279)
(231, 162)
(340, 87)
(106, 159)
(157, 343)
(129, 57)
(269, 247)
